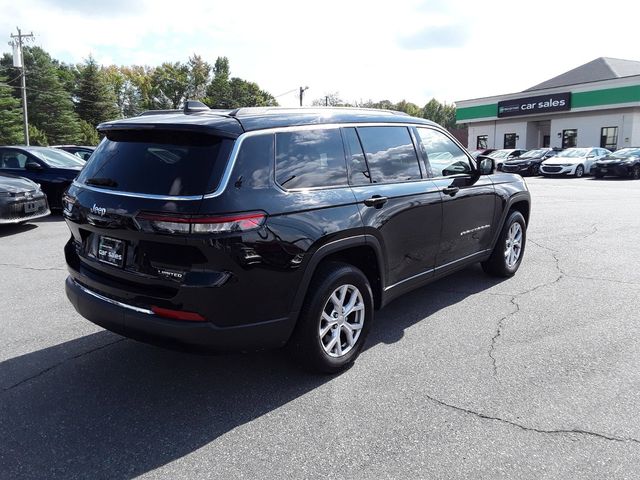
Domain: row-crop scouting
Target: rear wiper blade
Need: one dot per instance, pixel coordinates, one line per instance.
(102, 182)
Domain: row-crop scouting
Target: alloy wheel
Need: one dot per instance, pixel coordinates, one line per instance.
(513, 246)
(341, 321)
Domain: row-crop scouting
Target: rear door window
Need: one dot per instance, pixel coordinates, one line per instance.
(158, 163)
(390, 154)
(310, 159)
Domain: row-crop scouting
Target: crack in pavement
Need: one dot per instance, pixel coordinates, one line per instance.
(560, 431)
(498, 334)
(56, 365)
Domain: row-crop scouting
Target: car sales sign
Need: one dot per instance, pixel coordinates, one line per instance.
(554, 102)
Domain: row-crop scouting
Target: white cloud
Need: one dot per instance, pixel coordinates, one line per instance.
(407, 49)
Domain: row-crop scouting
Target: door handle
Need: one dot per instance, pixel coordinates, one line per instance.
(450, 190)
(376, 201)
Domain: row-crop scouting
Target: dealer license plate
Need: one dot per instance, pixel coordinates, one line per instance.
(111, 251)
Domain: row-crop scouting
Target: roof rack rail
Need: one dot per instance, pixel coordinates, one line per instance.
(157, 112)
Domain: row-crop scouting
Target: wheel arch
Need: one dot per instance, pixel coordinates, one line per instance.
(363, 252)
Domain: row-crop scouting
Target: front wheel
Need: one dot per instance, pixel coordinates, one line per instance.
(579, 171)
(335, 319)
(635, 173)
(509, 250)
(535, 170)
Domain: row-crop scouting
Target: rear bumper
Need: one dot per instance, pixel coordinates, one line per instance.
(142, 324)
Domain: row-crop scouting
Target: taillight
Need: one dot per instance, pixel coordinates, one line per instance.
(178, 224)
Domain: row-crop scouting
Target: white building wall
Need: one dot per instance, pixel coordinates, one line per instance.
(495, 132)
(588, 124)
(589, 127)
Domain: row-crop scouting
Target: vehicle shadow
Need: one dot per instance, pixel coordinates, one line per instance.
(15, 229)
(100, 406)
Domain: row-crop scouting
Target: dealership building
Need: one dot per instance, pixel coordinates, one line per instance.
(594, 105)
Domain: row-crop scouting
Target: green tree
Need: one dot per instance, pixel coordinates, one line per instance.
(96, 101)
(408, 108)
(11, 130)
(441, 113)
(170, 83)
(199, 72)
(50, 107)
(329, 100)
(127, 95)
(88, 134)
(37, 136)
(219, 90)
(249, 94)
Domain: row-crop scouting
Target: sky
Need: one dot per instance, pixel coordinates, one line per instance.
(402, 49)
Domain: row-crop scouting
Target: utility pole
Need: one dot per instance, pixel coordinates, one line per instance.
(18, 61)
(302, 89)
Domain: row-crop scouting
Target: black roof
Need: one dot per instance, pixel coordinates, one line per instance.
(234, 122)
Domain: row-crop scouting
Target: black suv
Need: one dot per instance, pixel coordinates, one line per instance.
(253, 228)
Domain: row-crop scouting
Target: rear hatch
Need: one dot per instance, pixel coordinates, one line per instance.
(132, 209)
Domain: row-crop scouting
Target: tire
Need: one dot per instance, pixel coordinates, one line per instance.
(579, 171)
(635, 172)
(535, 170)
(320, 352)
(500, 264)
(598, 175)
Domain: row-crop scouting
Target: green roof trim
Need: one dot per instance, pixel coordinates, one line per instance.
(594, 98)
(609, 96)
(479, 111)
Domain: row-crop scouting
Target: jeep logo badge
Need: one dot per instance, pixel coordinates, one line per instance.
(98, 210)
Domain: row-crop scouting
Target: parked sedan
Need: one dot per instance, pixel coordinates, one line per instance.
(529, 162)
(83, 152)
(21, 200)
(573, 161)
(621, 163)
(501, 156)
(51, 168)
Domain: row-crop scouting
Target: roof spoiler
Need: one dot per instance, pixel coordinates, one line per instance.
(190, 106)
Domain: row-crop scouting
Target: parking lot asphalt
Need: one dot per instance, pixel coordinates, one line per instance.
(537, 376)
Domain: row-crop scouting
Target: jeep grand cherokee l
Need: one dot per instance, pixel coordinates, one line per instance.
(253, 228)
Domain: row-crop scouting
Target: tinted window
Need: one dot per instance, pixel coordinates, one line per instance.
(253, 167)
(12, 159)
(57, 158)
(357, 165)
(390, 154)
(310, 158)
(444, 156)
(158, 163)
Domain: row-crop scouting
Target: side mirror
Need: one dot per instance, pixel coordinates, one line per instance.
(486, 165)
(31, 165)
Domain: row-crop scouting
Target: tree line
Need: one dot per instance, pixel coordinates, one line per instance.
(65, 102)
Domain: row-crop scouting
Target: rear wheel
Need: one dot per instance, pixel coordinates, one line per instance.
(509, 250)
(334, 320)
(635, 172)
(579, 171)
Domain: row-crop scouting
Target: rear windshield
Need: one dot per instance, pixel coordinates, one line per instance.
(158, 162)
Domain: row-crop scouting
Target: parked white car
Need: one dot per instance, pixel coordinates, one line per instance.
(573, 161)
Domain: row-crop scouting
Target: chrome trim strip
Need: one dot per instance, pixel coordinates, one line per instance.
(113, 302)
(413, 277)
(463, 258)
(426, 272)
(224, 181)
(137, 195)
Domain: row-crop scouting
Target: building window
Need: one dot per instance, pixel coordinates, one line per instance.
(509, 140)
(482, 141)
(569, 138)
(609, 138)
